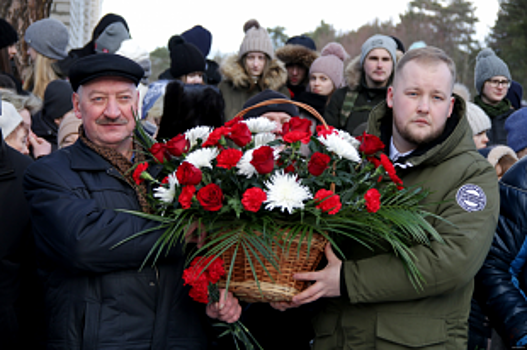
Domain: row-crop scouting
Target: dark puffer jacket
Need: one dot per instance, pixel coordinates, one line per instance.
(96, 297)
(501, 284)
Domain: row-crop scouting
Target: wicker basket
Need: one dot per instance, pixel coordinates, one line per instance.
(277, 285)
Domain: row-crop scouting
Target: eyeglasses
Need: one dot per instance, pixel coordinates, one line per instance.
(496, 83)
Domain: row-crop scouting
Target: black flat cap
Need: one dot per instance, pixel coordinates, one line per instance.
(95, 66)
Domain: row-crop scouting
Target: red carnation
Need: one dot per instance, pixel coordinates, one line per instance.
(323, 131)
(215, 136)
(253, 198)
(318, 163)
(240, 134)
(328, 201)
(373, 200)
(388, 166)
(263, 159)
(229, 158)
(370, 144)
(233, 122)
(141, 167)
(374, 161)
(178, 145)
(185, 198)
(210, 197)
(159, 150)
(188, 174)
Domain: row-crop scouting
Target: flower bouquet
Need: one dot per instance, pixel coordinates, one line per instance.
(268, 208)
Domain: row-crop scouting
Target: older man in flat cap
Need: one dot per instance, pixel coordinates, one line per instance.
(96, 296)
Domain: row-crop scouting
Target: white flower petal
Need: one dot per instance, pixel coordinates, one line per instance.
(341, 147)
(166, 195)
(284, 191)
(203, 157)
(260, 125)
(350, 139)
(199, 132)
(244, 165)
(263, 139)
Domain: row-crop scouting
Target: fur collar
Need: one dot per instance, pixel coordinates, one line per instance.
(296, 54)
(233, 72)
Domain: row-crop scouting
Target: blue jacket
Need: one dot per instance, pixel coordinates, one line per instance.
(96, 297)
(501, 284)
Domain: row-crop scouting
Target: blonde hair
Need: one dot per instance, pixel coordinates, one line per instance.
(40, 75)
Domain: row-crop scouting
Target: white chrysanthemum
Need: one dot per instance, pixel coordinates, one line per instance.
(260, 125)
(347, 137)
(244, 165)
(263, 139)
(285, 192)
(342, 148)
(166, 195)
(199, 132)
(203, 157)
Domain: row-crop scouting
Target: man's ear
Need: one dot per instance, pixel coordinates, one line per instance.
(75, 98)
(451, 108)
(389, 96)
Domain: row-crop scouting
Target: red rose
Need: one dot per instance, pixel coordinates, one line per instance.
(318, 163)
(297, 124)
(215, 136)
(263, 159)
(178, 145)
(328, 201)
(389, 168)
(290, 169)
(253, 198)
(185, 198)
(188, 174)
(240, 134)
(159, 150)
(294, 136)
(323, 131)
(373, 200)
(233, 122)
(139, 169)
(210, 197)
(229, 158)
(370, 144)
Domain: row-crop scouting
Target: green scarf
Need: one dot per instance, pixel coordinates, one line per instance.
(493, 111)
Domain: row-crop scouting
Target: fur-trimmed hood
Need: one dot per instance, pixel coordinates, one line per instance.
(296, 54)
(234, 72)
(353, 71)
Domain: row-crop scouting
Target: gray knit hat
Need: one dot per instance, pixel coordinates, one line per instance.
(49, 37)
(478, 120)
(256, 40)
(331, 63)
(111, 38)
(379, 41)
(488, 65)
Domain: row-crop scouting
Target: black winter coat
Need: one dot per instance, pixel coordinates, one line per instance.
(501, 284)
(21, 309)
(96, 297)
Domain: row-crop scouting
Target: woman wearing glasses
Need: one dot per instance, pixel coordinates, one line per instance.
(492, 81)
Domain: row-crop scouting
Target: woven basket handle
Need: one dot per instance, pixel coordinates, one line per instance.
(283, 101)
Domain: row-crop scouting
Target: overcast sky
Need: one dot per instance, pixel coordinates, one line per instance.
(153, 22)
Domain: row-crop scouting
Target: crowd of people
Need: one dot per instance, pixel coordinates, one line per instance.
(67, 146)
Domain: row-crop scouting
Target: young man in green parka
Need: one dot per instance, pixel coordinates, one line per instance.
(370, 301)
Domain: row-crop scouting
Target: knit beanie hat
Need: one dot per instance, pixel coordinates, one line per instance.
(185, 58)
(417, 45)
(68, 126)
(8, 35)
(111, 38)
(331, 63)
(132, 50)
(57, 100)
(9, 118)
(379, 41)
(515, 94)
(199, 37)
(477, 118)
(256, 40)
(488, 65)
(48, 37)
(269, 95)
(105, 21)
(516, 127)
(302, 40)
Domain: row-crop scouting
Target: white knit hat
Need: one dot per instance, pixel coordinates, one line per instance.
(477, 119)
(131, 49)
(9, 118)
